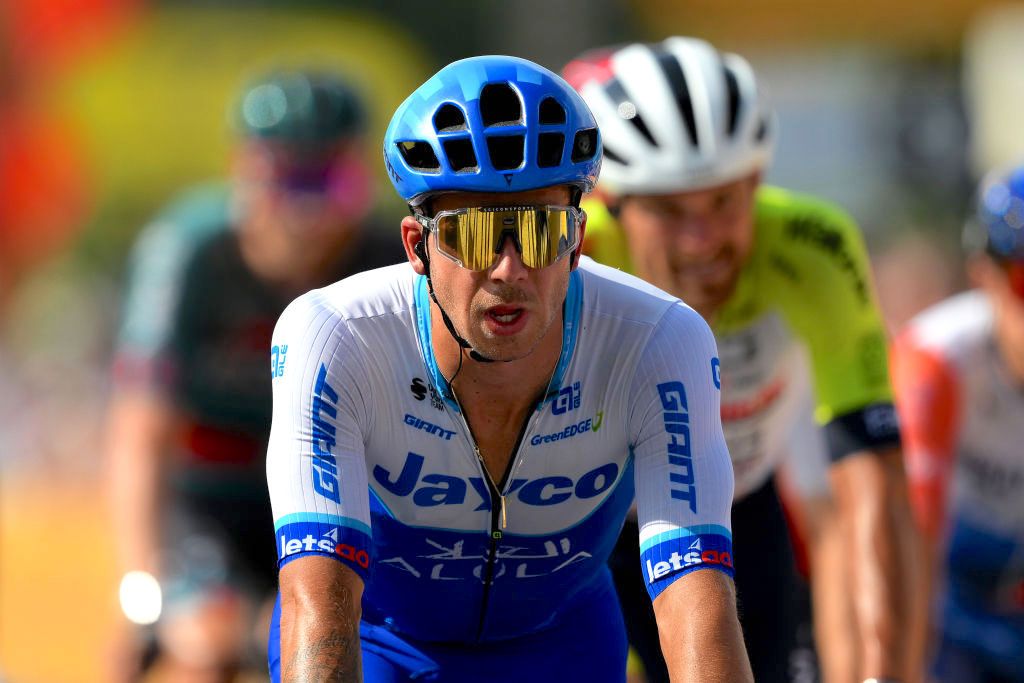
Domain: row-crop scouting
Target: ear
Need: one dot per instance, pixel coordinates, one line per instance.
(611, 202)
(579, 248)
(415, 243)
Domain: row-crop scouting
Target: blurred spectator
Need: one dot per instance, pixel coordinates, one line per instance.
(190, 413)
(959, 375)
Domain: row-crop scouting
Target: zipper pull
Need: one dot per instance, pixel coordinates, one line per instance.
(504, 518)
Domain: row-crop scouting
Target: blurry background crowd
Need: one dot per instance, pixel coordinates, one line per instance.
(892, 109)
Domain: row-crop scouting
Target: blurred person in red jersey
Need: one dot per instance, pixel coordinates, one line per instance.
(190, 414)
(959, 374)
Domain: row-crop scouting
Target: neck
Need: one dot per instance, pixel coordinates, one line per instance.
(279, 260)
(1012, 354)
(501, 385)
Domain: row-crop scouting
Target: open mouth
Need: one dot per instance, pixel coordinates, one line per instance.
(506, 319)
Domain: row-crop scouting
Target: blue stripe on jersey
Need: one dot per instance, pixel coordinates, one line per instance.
(693, 531)
(665, 562)
(346, 544)
(571, 312)
(422, 301)
(322, 518)
(375, 499)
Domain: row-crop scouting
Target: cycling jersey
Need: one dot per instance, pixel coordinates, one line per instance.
(801, 318)
(963, 425)
(196, 326)
(371, 462)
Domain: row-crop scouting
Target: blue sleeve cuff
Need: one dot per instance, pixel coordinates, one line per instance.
(665, 562)
(326, 538)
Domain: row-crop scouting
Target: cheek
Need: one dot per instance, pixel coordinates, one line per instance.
(648, 241)
(740, 230)
(552, 285)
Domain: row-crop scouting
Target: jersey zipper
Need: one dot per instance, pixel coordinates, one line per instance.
(499, 515)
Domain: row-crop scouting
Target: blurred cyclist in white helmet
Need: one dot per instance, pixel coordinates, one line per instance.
(784, 281)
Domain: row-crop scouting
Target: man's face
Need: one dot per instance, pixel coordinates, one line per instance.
(692, 244)
(311, 200)
(1003, 281)
(506, 310)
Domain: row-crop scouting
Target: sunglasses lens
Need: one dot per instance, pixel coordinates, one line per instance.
(475, 236)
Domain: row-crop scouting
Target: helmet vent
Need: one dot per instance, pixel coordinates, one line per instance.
(500, 105)
(677, 82)
(627, 109)
(461, 156)
(762, 130)
(549, 147)
(584, 145)
(733, 88)
(419, 155)
(506, 151)
(551, 112)
(449, 119)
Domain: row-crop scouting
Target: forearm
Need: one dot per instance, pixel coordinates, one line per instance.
(700, 632)
(831, 603)
(880, 537)
(136, 445)
(320, 629)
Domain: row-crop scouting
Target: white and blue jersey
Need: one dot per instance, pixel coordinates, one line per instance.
(371, 463)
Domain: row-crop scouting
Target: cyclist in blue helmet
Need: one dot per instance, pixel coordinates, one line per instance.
(457, 439)
(959, 373)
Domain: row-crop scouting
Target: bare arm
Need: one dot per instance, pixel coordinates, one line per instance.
(871, 494)
(834, 632)
(320, 611)
(139, 429)
(700, 632)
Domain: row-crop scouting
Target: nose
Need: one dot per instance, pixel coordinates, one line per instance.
(695, 236)
(509, 267)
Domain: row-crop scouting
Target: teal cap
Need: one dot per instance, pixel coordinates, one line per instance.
(300, 108)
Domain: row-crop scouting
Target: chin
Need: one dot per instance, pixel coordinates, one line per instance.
(508, 349)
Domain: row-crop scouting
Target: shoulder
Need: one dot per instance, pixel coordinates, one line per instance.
(370, 294)
(184, 226)
(809, 230)
(612, 292)
(793, 210)
(609, 292)
(952, 328)
(812, 250)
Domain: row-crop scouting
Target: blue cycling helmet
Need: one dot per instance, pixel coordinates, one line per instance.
(491, 124)
(1000, 215)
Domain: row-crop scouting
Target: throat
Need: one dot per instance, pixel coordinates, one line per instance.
(497, 431)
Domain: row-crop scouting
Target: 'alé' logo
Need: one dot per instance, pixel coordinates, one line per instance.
(278, 355)
(568, 399)
(434, 488)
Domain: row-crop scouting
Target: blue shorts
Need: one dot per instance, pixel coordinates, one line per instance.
(588, 644)
(976, 647)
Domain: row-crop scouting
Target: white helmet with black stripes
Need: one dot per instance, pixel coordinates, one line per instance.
(674, 116)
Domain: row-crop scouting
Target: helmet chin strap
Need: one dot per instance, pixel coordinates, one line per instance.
(421, 251)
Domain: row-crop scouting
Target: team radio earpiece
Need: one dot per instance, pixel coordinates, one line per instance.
(420, 250)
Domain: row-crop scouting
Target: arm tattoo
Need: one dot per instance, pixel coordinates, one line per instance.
(330, 657)
(329, 650)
